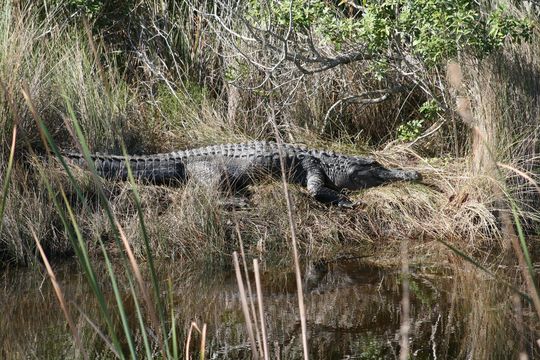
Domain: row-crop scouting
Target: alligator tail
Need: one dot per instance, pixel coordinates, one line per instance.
(154, 169)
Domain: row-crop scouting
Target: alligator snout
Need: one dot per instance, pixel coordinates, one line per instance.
(411, 175)
(403, 175)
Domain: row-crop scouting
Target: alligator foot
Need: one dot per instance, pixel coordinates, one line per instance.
(348, 204)
(360, 204)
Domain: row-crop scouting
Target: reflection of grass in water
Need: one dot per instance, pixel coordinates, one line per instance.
(373, 307)
(488, 320)
(371, 348)
(420, 292)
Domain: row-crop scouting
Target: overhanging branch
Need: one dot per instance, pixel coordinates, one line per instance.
(365, 98)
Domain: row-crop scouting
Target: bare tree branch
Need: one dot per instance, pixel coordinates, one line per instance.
(364, 98)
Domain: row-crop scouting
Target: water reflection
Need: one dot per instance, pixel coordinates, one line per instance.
(353, 312)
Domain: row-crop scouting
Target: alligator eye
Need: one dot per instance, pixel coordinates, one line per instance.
(353, 170)
(374, 164)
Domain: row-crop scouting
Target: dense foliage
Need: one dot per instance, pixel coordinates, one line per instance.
(433, 30)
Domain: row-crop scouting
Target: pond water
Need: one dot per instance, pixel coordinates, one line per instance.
(353, 312)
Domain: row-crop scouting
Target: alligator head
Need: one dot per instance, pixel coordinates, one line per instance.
(360, 173)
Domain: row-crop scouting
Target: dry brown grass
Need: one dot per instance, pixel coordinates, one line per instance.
(188, 222)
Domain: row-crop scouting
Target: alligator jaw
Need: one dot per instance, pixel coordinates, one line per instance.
(399, 175)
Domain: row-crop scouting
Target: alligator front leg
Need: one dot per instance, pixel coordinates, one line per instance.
(317, 189)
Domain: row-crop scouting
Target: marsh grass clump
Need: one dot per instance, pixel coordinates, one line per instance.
(54, 62)
(184, 224)
(28, 209)
(191, 226)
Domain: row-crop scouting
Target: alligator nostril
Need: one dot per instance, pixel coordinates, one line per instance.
(410, 175)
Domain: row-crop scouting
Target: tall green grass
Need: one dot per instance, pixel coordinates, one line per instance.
(65, 79)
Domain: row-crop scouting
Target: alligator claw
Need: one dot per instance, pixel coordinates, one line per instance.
(360, 203)
(346, 204)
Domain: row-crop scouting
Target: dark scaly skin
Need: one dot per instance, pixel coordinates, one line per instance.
(235, 166)
(159, 169)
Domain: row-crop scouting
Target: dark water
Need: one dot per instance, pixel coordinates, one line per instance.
(353, 312)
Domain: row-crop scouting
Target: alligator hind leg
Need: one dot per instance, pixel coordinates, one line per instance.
(215, 178)
(327, 195)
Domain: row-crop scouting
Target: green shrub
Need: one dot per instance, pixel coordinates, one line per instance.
(433, 30)
(413, 128)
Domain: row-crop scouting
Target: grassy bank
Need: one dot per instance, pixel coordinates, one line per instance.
(163, 78)
(51, 54)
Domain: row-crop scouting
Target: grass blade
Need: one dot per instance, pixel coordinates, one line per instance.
(144, 291)
(149, 256)
(202, 346)
(405, 327)
(7, 176)
(100, 333)
(245, 307)
(261, 308)
(250, 292)
(60, 296)
(174, 337)
(203, 343)
(520, 248)
(188, 341)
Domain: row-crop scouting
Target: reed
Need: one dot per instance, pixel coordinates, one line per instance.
(260, 304)
(61, 298)
(405, 328)
(245, 306)
(202, 346)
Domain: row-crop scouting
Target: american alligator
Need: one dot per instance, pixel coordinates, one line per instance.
(235, 166)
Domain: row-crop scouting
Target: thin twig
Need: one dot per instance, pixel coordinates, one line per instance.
(245, 307)
(261, 307)
(300, 292)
